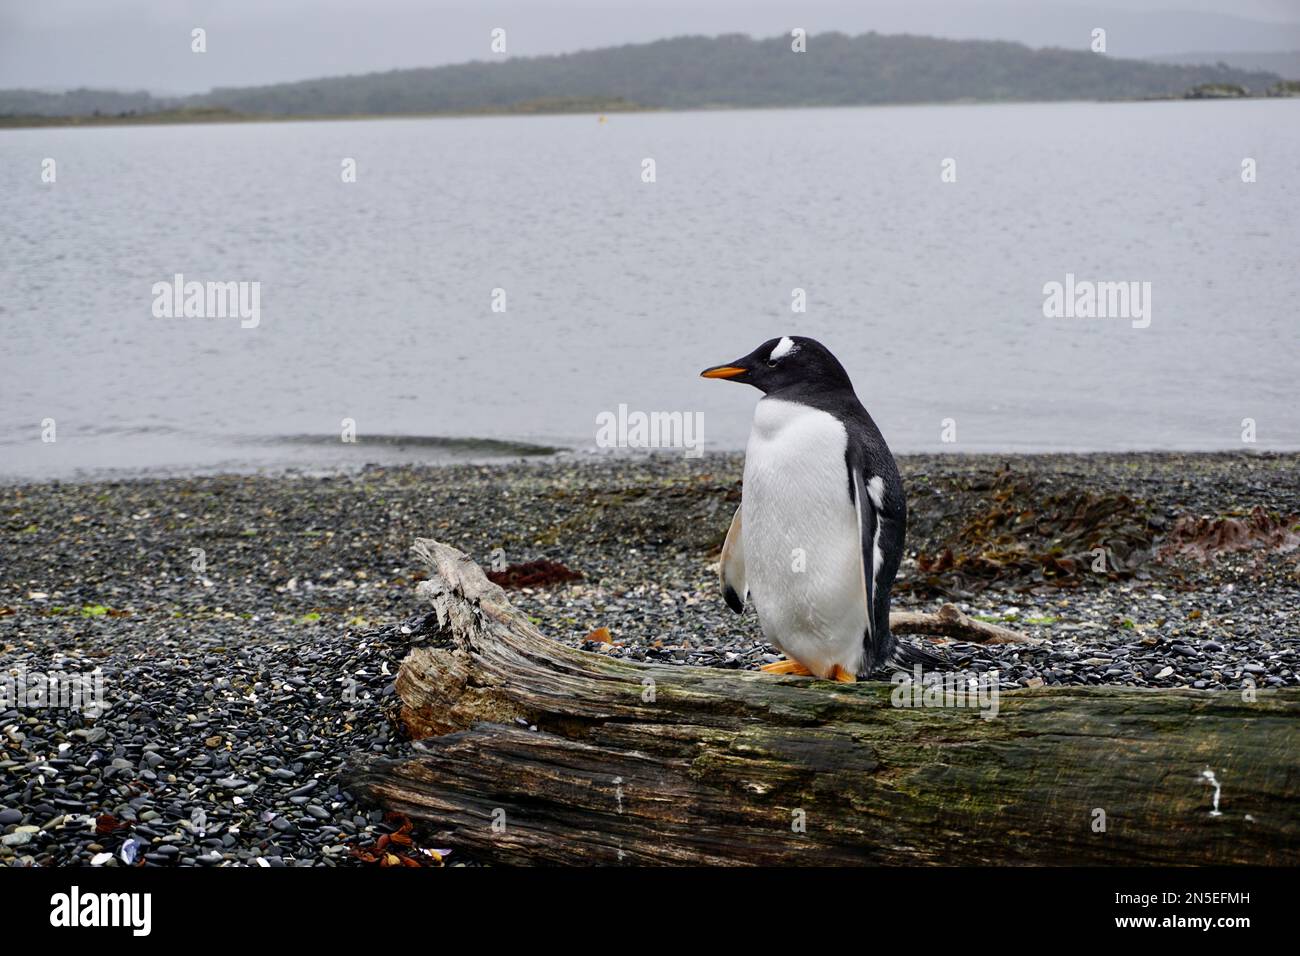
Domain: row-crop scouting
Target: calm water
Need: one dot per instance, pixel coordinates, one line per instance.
(375, 296)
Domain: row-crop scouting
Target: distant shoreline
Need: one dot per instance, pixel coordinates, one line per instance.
(218, 116)
(221, 115)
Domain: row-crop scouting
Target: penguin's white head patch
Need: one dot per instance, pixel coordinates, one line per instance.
(783, 348)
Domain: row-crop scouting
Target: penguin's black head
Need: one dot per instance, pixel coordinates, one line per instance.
(788, 362)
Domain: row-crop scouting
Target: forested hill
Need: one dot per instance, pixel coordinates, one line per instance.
(694, 72)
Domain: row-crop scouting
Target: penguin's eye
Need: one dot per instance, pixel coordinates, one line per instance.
(771, 363)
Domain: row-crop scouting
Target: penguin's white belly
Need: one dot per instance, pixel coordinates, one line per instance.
(803, 558)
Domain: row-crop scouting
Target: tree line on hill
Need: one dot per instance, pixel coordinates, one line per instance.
(695, 72)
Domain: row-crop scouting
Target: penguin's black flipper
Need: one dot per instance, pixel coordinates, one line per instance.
(731, 567)
(877, 641)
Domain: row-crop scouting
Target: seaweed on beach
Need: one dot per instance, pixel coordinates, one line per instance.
(533, 574)
(1025, 534)
(398, 847)
(1204, 538)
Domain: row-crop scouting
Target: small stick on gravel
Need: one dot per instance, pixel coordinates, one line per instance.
(951, 622)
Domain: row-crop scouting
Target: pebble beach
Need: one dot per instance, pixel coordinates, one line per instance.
(244, 632)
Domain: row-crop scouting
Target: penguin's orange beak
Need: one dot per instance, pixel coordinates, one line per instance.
(723, 371)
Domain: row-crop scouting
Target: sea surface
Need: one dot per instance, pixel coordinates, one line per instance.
(376, 301)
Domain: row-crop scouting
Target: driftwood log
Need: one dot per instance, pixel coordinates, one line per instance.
(536, 752)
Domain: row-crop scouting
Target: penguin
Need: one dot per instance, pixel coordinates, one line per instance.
(818, 536)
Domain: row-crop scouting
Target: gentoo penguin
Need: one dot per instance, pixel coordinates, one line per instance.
(818, 536)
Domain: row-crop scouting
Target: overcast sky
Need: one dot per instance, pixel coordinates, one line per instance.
(145, 44)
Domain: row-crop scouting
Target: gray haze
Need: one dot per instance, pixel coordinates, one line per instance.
(144, 44)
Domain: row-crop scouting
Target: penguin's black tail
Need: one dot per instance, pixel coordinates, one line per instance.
(901, 655)
(906, 656)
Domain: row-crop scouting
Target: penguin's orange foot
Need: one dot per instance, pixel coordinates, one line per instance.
(787, 667)
(844, 677)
